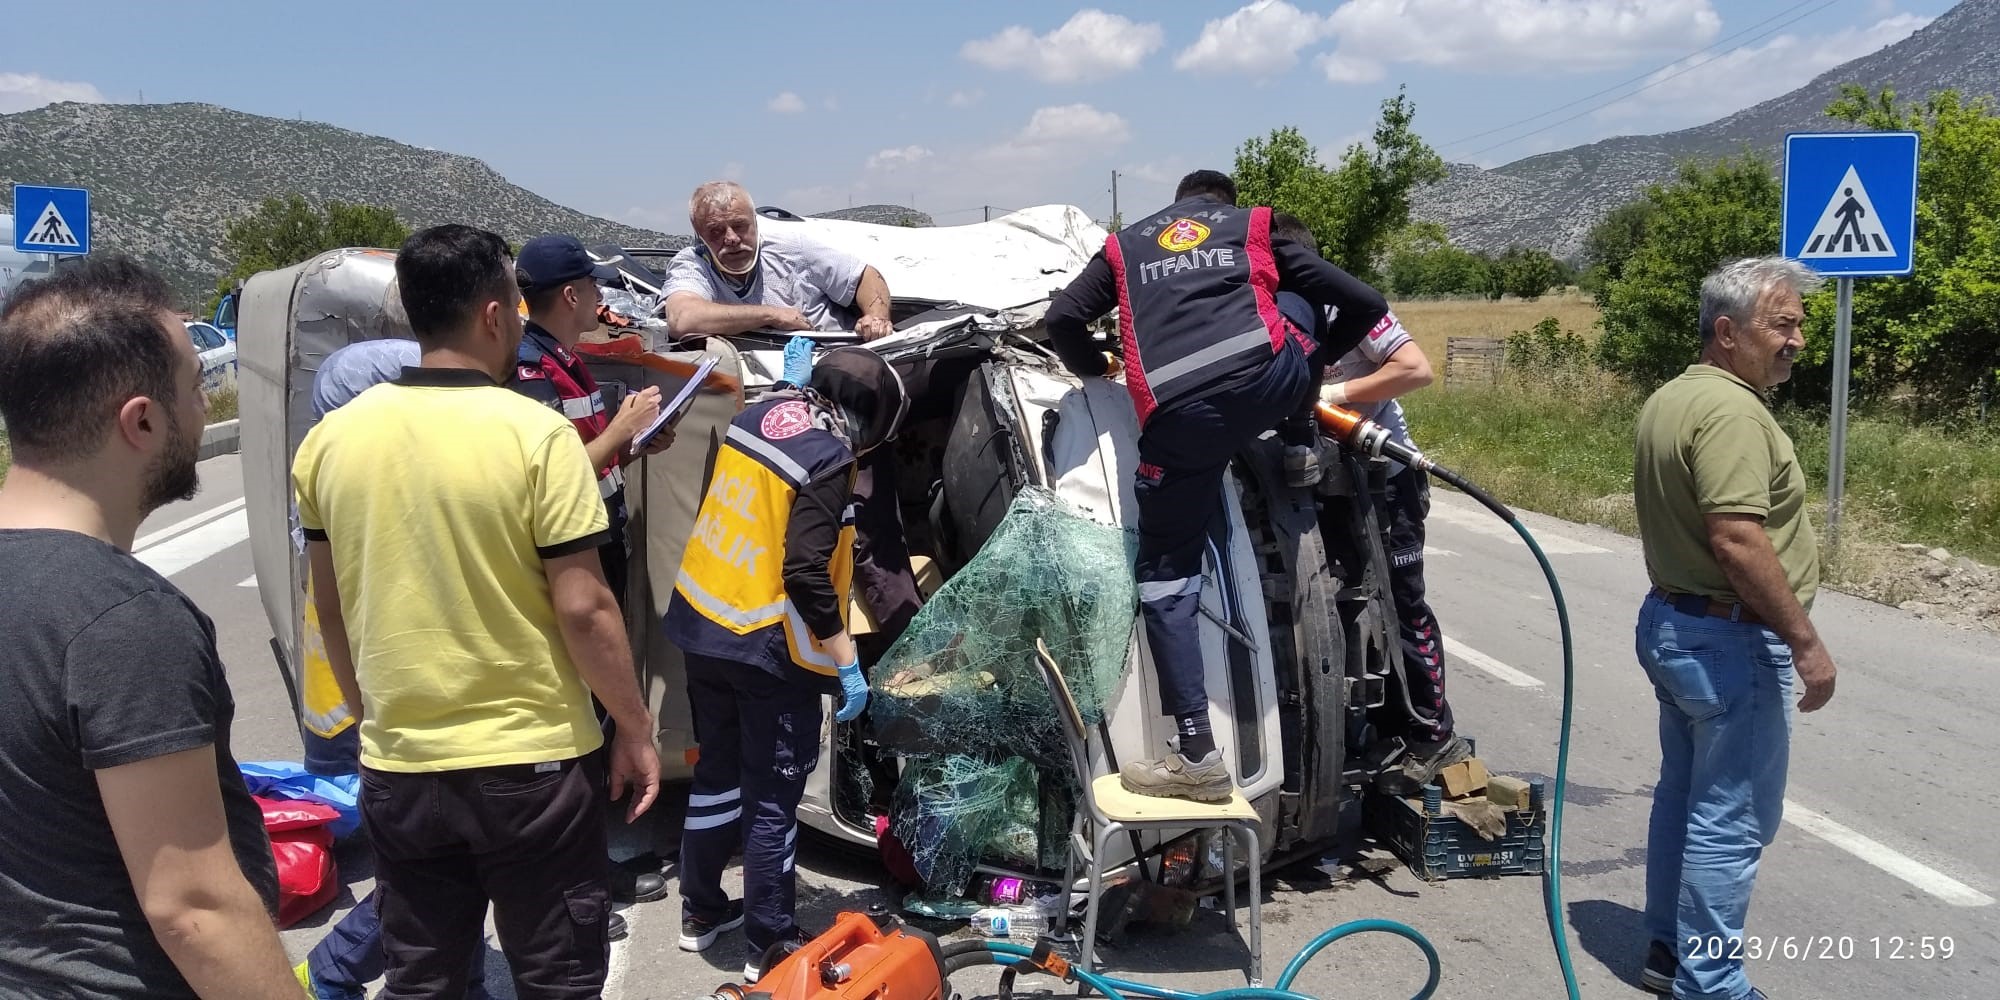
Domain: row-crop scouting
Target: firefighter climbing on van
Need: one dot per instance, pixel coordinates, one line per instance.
(760, 612)
(1211, 364)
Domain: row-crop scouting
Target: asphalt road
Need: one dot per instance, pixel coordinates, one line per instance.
(1888, 853)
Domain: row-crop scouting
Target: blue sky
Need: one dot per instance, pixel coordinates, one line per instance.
(620, 109)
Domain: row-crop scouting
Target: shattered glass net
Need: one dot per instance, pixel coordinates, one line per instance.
(960, 694)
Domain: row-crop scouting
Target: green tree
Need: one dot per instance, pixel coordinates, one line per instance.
(1935, 333)
(1353, 208)
(1611, 243)
(281, 232)
(1526, 272)
(1708, 214)
(1422, 262)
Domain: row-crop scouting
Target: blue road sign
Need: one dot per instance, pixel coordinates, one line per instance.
(1851, 202)
(51, 219)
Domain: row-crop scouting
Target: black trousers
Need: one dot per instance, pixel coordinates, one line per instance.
(1183, 452)
(759, 739)
(527, 838)
(1405, 504)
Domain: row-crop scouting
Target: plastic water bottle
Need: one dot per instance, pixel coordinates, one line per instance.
(1021, 923)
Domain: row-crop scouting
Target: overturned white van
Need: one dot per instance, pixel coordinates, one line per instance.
(1295, 626)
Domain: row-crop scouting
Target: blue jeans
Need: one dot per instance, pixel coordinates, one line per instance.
(1725, 693)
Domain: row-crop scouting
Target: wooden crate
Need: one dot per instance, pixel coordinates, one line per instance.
(1473, 361)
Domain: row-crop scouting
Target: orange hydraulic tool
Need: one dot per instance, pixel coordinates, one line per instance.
(1368, 437)
(860, 958)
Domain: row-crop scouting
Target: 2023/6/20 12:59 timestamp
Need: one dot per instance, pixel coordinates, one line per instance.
(1825, 948)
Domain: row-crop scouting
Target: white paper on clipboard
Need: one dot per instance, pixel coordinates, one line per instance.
(675, 408)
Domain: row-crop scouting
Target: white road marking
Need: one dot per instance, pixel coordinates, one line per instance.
(621, 953)
(1479, 522)
(190, 547)
(1492, 666)
(187, 523)
(1885, 857)
(249, 581)
(1432, 552)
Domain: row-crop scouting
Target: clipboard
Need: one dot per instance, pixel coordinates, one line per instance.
(676, 407)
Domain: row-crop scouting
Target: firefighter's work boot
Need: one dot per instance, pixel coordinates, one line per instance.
(1420, 766)
(1175, 776)
(1301, 465)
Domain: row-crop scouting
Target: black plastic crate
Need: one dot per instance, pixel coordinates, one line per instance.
(1438, 846)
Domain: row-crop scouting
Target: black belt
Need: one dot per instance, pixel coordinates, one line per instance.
(1696, 604)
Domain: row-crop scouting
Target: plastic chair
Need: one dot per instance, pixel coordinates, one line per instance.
(1112, 810)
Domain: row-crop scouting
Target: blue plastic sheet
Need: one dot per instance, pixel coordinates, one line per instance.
(283, 779)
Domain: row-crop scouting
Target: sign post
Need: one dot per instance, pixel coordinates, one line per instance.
(51, 220)
(1850, 211)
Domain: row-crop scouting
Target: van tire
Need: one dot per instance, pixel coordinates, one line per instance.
(1308, 644)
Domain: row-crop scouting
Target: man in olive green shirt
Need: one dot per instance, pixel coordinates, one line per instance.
(1723, 634)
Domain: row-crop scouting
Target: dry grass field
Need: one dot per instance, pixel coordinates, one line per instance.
(1432, 321)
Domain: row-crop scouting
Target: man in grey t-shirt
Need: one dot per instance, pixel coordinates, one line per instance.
(738, 279)
(135, 860)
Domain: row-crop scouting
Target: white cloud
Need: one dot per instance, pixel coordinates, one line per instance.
(890, 159)
(1511, 36)
(1072, 126)
(965, 98)
(1340, 67)
(27, 91)
(1260, 40)
(1090, 45)
(787, 103)
(1708, 86)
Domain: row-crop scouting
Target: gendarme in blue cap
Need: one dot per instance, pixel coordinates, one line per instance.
(551, 260)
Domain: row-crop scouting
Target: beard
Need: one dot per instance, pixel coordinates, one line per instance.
(173, 474)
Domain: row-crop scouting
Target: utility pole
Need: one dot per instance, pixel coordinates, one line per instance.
(988, 209)
(1114, 198)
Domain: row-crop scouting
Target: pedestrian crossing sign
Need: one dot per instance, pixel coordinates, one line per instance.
(51, 219)
(1850, 204)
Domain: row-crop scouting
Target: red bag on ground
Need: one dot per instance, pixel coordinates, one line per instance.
(895, 857)
(302, 844)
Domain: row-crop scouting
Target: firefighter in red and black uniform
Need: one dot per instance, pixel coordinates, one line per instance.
(558, 279)
(1211, 364)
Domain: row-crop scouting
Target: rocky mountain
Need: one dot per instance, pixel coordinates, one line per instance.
(881, 215)
(165, 179)
(1552, 200)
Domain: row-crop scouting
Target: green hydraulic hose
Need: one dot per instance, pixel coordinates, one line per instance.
(1116, 989)
(1552, 870)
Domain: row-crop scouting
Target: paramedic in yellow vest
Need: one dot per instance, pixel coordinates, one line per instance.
(760, 610)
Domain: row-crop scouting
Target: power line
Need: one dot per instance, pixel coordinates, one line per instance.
(1626, 83)
(1684, 71)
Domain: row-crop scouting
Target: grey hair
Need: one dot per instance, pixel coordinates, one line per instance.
(1733, 289)
(715, 196)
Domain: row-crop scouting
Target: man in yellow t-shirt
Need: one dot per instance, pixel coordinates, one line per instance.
(452, 527)
(1724, 633)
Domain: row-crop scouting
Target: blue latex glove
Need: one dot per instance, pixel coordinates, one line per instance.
(854, 693)
(798, 360)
